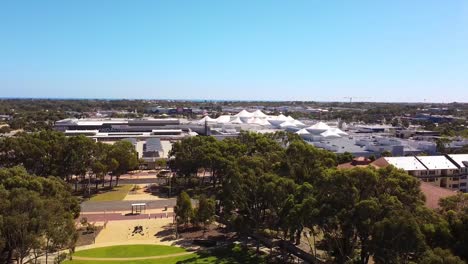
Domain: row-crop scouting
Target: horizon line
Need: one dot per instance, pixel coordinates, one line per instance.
(220, 100)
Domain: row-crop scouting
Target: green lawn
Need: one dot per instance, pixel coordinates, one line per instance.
(229, 255)
(129, 251)
(116, 194)
(168, 260)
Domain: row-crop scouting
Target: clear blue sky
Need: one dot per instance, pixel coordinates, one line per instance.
(406, 50)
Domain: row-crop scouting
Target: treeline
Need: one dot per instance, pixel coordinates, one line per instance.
(37, 207)
(280, 186)
(74, 159)
(36, 216)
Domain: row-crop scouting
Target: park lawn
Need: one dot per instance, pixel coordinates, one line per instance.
(234, 254)
(116, 194)
(168, 260)
(129, 251)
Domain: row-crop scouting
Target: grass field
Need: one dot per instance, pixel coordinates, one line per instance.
(116, 194)
(230, 255)
(127, 251)
(169, 260)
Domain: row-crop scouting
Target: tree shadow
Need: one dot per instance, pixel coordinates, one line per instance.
(227, 254)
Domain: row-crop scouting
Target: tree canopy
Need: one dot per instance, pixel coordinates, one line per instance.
(36, 214)
(282, 184)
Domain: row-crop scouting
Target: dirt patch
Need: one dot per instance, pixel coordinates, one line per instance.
(85, 238)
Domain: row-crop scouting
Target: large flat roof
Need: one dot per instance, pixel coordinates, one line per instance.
(437, 162)
(405, 163)
(460, 159)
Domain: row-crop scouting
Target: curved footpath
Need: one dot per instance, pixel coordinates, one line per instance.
(134, 258)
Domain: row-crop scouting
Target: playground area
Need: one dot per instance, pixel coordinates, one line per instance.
(128, 214)
(134, 232)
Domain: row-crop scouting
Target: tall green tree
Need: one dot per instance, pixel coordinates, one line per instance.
(205, 212)
(124, 153)
(183, 209)
(37, 214)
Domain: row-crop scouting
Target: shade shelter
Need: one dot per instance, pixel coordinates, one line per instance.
(138, 208)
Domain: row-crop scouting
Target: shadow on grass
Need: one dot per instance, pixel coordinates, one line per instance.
(224, 255)
(107, 193)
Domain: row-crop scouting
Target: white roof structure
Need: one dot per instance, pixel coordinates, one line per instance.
(290, 118)
(405, 163)
(437, 163)
(259, 121)
(298, 123)
(303, 132)
(318, 128)
(206, 119)
(223, 119)
(460, 159)
(277, 120)
(244, 113)
(338, 131)
(287, 124)
(263, 122)
(281, 117)
(329, 134)
(236, 120)
(258, 113)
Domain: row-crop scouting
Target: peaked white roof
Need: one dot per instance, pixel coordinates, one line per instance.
(281, 117)
(206, 119)
(319, 125)
(318, 128)
(329, 134)
(298, 123)
(290, 118)
(287, 124)
(263, 122)
(250, 120)
(258, 113)
(302, 132)
(258, 121)
(236, 120)
(338, 131)
(223, 119)
(244, 113)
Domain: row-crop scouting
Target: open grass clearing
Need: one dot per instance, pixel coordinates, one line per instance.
(168, 260)
(129, 251)
(118, 193)
(234, 254)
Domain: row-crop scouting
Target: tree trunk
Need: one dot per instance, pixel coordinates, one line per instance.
(214, 179)
(117, 177)
(110, 182)
(47, 251)
(9, 256)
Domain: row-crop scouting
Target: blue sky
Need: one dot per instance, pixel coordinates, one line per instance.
(248, 50)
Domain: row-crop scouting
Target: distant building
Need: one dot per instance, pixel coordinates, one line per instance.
(356, 162)
(446, 171)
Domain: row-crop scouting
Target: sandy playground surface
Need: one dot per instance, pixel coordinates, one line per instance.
(121, 232)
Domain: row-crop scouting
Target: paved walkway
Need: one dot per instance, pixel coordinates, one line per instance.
(125, 205)
(100, 217)
(136, 258)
